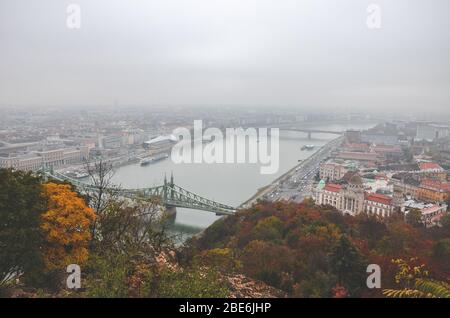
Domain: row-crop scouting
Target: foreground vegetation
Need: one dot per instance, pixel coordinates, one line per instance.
(123, 249)
(269, 250)
(310, 251)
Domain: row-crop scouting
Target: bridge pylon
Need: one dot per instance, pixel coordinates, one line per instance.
(169, 194)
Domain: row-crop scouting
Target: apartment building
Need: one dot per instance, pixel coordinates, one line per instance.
(45, 159)
(434, 191)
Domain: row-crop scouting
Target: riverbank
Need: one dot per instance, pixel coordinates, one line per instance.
(320, 155)
(264, 191)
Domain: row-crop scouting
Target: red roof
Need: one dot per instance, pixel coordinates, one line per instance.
(436, 185)
(380, 198)
(333, 187)
(429, 166)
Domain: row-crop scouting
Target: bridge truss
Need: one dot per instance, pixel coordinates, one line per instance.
(170, 194)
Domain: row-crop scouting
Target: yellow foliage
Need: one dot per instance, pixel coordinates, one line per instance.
(66, 227)
(416, 283)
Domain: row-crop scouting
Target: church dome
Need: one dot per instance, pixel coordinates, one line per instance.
(321, 184)
(356, 180)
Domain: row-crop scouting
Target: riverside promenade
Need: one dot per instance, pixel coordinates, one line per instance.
(311, 162)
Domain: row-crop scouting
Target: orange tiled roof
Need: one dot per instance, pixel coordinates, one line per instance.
(380, 198)
(429, 166)
(333, 187)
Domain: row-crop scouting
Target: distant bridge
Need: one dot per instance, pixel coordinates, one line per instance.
(311, 131)
(171, 195)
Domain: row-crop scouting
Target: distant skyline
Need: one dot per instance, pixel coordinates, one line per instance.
(315, 54)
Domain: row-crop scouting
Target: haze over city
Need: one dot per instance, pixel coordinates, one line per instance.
(305, 54)
(253, 149)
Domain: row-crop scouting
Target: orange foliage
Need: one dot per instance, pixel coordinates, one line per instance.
(66, 227)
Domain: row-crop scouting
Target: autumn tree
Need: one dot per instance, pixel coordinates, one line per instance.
(441, 252)
(414, 218)
(445, 223)
(66, 227)
(191, 283)
(372, 228)
(104, 194)
(401, 238)
(269, 263)
(414, 282)
(140, 227)
(311, 251)
(21, 205)
(220, 258)
(268, 229)
(107, 275)
(346, 263)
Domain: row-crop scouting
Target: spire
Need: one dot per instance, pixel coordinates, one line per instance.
(171, 177)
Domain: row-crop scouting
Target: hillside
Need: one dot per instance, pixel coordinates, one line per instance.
(310, 251)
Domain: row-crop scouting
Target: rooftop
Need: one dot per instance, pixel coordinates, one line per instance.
(436, 185)
(158, 139)
(430, 166)
(380, 198)
(431, 209)
(333, 187)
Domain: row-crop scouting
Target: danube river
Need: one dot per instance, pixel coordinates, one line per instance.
(230, 184)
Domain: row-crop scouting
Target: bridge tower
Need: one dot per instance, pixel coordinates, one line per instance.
(169, 193)
(309, 135)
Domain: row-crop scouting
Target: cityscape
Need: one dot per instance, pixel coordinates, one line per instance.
(250, 153)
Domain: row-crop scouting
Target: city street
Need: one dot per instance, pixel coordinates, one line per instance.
(297, 184)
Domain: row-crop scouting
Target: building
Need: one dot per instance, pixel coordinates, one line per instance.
(45, 159)
(111, 142)
(51, 158)
(75, 156)
(358, 156)
(379, 183)
(379, 138)
(160, 144)
(431, 132)
(356, 147)
(388, 151)
(7, 149)
(378, 204)
(434, 191)
(25, 162)
(431, 170)
(351, 198)
(406, 187)
(431, 213)
(332, 171)
(134, 137)
(352, 136)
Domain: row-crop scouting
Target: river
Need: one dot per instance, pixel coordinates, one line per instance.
(230, 184)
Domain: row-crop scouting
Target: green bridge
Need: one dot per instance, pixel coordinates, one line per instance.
(170, 194)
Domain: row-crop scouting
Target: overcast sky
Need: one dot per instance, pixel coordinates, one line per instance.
(315, 53)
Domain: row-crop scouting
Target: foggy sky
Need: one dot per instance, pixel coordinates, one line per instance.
(315, 53)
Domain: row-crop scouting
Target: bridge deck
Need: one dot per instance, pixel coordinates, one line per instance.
(171, 195)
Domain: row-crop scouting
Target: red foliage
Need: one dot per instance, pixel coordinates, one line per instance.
(309, 234)
(339, 291)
